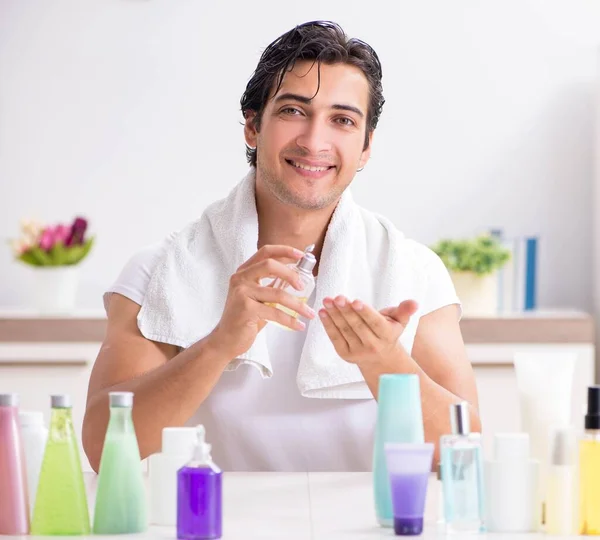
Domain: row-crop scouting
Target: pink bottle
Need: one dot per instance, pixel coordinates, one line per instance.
(14, 506)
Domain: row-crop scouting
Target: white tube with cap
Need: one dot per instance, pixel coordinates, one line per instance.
(511, 484)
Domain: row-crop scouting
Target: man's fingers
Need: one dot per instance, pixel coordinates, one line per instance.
(343, 325)
(373, 319)
(285, 254)
(403, 312)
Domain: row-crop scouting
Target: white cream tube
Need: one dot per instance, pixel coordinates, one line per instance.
(545, 386)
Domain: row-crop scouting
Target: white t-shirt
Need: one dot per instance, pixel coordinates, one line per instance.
(257, 424)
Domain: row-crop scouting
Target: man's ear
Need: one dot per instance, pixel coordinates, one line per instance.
(250, 132)
(366, 153)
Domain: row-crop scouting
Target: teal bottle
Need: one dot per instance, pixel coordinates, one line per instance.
(399, 420)
(121, 505)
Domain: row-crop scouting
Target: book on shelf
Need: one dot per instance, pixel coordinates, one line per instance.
(518, 278)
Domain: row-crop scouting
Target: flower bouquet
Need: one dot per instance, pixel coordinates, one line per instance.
(53, 245)
(53, 252)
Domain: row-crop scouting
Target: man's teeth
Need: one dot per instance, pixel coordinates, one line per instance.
(307, 168)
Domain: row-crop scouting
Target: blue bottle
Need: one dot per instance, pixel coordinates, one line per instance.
(399, 420)
(462, 474)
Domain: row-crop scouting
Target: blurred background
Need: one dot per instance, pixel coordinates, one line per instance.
(126, 113)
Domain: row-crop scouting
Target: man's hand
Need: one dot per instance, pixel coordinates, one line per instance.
(245, 313)
(360, 334)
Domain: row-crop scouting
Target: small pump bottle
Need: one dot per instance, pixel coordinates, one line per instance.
(304, 268)
(199, 495)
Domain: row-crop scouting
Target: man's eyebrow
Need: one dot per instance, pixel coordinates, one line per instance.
(307, 101)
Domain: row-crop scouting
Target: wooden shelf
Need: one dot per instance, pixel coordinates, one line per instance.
(531, 327)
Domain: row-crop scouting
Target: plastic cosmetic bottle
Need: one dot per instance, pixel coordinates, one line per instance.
(399, 420)
(61, 507)
(462, 474)
(304, 269)
(121, 506)
(34, 434)
(178, 445)
(199, 495)
(512, 494)
(589, 467)
(561, 494)
(14, 504)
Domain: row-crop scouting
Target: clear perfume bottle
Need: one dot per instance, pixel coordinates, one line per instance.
(304, 268)
(462, 474)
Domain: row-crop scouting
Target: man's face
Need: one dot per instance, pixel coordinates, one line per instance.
(308, 150)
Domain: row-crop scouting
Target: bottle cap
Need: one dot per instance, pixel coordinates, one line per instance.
(511, 446)
(592, 417)
(121, 399)
(9, 400)
(60, 401)
(562, 447)
(179, 441)
(459, 418)
(31, 418)
(308, 260)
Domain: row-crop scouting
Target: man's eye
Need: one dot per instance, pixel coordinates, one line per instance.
(345, 121)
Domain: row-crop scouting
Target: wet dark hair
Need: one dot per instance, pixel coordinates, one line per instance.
(323, 42)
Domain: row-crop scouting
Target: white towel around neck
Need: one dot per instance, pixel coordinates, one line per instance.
(188, 288)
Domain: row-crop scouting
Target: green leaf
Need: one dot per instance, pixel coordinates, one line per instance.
(41, 256)
(59, 254)
(482, 255)
(79, 252)
(28, 258)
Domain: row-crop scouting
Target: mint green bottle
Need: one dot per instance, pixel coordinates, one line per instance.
(399, 420)
(61, 507)
(121, 505)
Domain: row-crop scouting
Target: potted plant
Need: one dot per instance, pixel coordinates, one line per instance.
(473, 264)
(53, 252)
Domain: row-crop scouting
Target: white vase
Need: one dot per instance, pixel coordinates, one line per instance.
(55, 288)
(478, 294)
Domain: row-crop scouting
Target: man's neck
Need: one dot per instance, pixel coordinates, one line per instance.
(283, 224)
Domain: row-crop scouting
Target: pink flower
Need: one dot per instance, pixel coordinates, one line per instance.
(47, 239)
(62, 233)
(53, 235)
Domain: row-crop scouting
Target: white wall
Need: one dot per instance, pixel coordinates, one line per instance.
(128, 112)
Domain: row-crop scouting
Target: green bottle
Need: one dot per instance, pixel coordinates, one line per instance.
(61, 507)
(121, 505)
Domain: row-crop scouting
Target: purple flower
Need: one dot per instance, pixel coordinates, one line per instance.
(77, 232)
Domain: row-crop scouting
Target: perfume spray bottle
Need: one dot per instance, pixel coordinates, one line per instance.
(589, 467)
(304, 268)
(462, 473)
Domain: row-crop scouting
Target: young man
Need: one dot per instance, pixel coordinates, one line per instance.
(311, 108)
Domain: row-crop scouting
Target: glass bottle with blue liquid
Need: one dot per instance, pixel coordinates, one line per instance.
(462, 474)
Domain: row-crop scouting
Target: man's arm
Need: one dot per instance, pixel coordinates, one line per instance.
(440, 360)
(168, 387)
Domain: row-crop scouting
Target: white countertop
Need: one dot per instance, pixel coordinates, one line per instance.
(302, 506)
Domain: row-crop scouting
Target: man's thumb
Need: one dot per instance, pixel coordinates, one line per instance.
(404, 311)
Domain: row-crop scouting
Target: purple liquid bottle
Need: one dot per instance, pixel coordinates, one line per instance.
(199, 495)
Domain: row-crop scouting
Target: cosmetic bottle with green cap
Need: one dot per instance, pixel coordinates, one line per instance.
(120, 496)
(61, 507)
